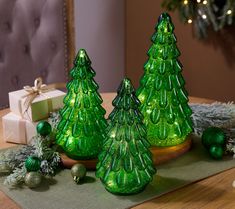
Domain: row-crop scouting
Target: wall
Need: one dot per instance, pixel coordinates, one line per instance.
(209, 66)
(99, 28)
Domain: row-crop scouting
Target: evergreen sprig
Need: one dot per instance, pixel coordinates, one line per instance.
(54, 120)
(16, 178)
(13, 160)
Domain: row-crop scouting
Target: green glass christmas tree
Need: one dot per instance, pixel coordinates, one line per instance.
(82, 127)
(125, 164)
(164, 100)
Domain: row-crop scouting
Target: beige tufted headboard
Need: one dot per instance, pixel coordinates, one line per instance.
(36, 39)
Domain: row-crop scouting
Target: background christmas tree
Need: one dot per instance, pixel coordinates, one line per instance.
(164, 100)
(203, 14)
(125, 163)
(82, 127)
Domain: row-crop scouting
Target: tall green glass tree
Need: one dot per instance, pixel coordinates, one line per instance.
(164, 100)
(82, 127)
(125, 164)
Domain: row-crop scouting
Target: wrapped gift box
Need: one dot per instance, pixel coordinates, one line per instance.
(17, 130)
(40, 107)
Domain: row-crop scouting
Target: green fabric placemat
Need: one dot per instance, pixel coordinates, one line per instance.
(61, 192)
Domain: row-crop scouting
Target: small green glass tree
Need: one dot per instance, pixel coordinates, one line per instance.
(125, 164)
(164, 100)
(82, 127)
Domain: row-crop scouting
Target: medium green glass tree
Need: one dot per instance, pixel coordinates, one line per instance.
(164, 100)
(125, 164)
(81, 129)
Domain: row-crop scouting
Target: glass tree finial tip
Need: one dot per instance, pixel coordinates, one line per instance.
(82, 57)
(164, 16)
(126, 86)
(82, 53)
(127, 82)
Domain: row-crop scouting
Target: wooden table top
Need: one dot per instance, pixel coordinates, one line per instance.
(215, 192)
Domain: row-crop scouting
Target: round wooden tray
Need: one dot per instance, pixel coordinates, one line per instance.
(68, 162)
(164, 154)
(160, 155)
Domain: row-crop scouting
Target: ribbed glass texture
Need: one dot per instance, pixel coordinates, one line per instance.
(164, 100)
(82, 127)
(125, 164)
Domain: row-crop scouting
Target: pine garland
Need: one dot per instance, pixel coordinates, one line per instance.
(217, 114)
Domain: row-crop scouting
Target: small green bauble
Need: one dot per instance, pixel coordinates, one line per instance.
(216, 152)
(33, 179)
(213, 136)
(78, 172)
(43, 128)
(32, 163)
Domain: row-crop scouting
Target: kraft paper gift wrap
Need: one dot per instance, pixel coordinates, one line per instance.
(17, 130)
(40, 107)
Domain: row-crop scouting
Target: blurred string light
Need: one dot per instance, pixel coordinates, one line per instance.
(185, 2)
(190, 21)
(229, 12)
(204, 16)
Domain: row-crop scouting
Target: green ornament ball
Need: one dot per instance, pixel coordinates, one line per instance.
(78, 172)
(43, 128)
(32, 163)
(216, 152)
(213, 136)
(33, 179)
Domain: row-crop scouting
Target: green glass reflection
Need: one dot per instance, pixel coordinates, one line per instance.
(82, 127)
(164, 100)
(125, 164)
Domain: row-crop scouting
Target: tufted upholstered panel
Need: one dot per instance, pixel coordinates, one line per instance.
(33, 43)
